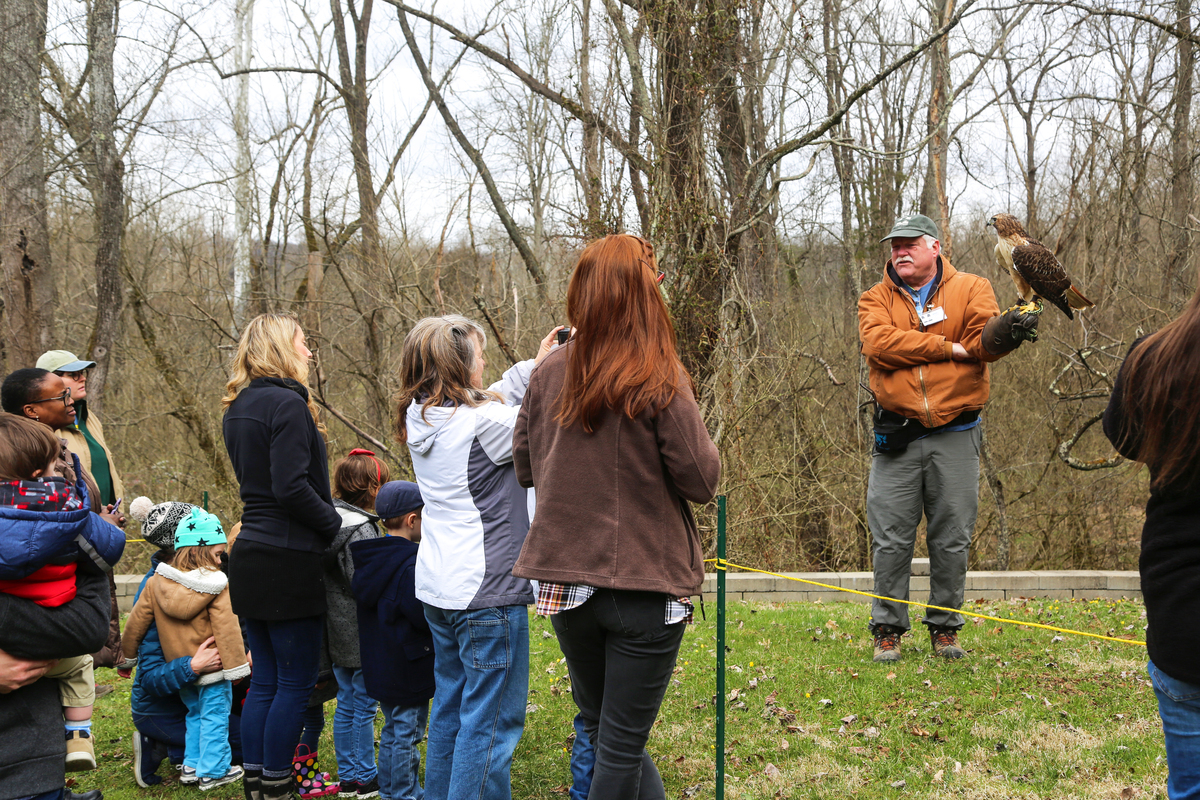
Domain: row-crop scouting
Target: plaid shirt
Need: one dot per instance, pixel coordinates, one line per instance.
(40, 494)
(554, 598)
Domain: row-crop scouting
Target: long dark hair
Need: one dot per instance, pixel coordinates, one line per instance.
(622, 357)
(1162, 380)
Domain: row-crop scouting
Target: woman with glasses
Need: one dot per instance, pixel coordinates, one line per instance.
(612, 439)
(44, 397)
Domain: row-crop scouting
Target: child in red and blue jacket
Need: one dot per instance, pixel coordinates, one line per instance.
(47, 534)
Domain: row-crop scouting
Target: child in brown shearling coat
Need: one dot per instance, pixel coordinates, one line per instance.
(188, 601)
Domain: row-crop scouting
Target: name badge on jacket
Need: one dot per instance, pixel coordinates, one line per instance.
(932, 316)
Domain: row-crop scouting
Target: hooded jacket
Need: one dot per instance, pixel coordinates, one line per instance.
(341, 620)
(156, 684)
(187, 608)
(32, 539)
(912, 372)
(397, 647)
(476, 514)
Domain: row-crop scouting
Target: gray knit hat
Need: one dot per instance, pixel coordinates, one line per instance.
(159, 521)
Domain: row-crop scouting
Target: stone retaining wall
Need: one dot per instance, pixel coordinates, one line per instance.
(1085, 584)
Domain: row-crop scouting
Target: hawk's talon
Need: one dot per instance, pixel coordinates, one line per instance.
(1032, 307)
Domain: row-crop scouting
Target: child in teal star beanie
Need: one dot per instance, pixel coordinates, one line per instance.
(188, 602)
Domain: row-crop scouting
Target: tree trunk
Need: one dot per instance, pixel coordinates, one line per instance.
(1182, 189)
(935, 203)
(244, 283)
(683, 211)
(353, 72)
(28, 292)
(108, 195)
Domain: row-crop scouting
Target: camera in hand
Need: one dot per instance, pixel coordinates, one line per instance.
(563, 335)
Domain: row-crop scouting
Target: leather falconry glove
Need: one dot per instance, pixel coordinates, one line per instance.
(1004, 333)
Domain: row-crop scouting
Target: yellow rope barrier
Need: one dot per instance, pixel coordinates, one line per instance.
(725, 564)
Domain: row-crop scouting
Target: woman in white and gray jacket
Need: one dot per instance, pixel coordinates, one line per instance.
(472, 527)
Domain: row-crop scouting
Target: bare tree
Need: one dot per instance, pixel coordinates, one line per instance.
(28, 292)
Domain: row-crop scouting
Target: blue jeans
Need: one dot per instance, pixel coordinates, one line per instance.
(206, 747)
(171, 732)
(354, 727)
(399, 758)
(287, 656)
(583, 761)
(1179, 707)
(314, 725)
(481, 667)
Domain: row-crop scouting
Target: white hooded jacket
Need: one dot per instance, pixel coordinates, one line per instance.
(476, 515)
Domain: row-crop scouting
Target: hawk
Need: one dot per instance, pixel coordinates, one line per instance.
(1034, 269)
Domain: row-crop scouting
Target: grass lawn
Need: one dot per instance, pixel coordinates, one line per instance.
(1023, 716)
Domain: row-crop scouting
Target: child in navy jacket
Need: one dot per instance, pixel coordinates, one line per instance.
(397, 648)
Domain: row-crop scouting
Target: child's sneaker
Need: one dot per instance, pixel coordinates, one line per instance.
(310, 781)
(81, 755)
(234, 773)
(188, 776)
(368, 789)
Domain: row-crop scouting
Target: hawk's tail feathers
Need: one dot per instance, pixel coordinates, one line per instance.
(1075, 299)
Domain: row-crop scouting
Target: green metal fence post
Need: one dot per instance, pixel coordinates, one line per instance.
(721, 647)
(206, 499)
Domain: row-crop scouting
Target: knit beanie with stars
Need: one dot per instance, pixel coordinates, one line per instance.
(199, 529)
(159, 521)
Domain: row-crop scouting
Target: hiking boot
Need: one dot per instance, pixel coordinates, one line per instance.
(234, 773)
(945, 642)
(887, 643)
(81, 755)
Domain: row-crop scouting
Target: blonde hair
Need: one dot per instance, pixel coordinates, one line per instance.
(193, 557)
(267, 349)
(435, 366)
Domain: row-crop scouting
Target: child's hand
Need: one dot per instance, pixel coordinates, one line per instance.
(124, 672)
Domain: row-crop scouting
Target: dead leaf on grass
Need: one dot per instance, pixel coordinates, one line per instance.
(772, 772)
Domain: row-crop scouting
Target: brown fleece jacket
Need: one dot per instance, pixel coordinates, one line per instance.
(187, 608)
(612, 505)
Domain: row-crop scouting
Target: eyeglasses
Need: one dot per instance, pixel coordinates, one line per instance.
(65, 396)
(77, 375)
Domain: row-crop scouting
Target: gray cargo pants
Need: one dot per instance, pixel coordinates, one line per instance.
(937, 476)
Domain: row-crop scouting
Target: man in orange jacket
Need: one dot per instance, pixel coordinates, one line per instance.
(928, 332)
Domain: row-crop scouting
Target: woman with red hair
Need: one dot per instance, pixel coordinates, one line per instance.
(610, 435)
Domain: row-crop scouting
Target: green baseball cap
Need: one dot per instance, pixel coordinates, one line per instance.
(62, 361)
(914, 225)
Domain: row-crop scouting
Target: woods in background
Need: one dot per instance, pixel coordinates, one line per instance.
(167, 174)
